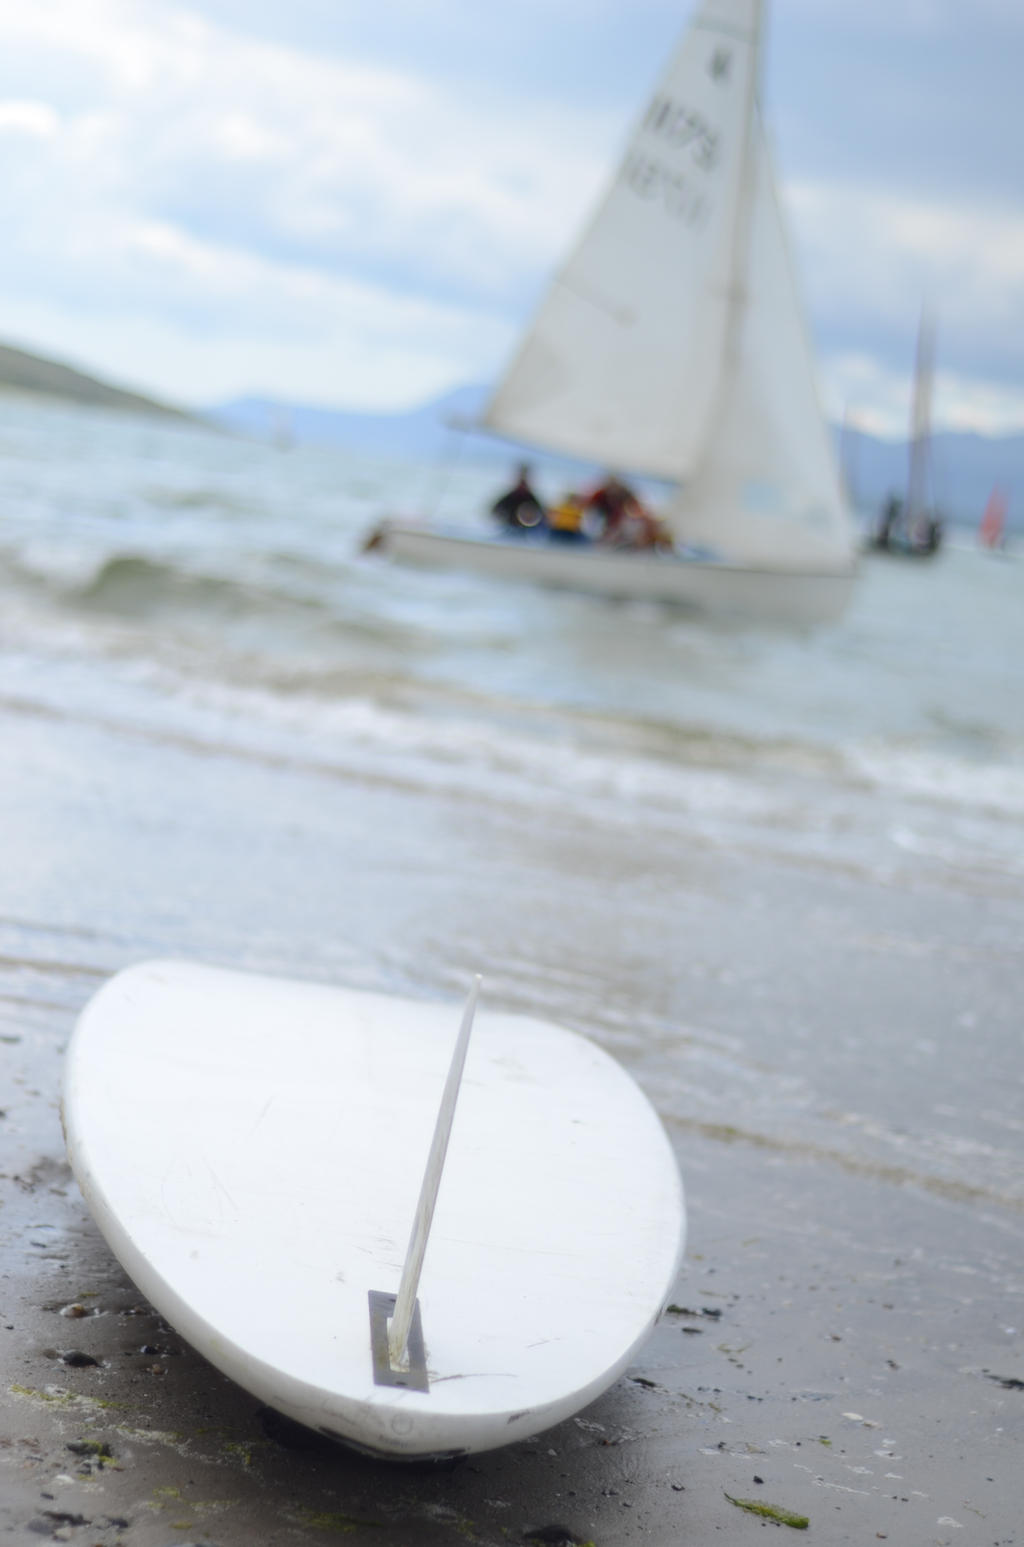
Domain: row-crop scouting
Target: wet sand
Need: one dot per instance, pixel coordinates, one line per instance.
(846, 1342)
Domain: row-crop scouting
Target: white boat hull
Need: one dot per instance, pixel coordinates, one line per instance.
(252, 1149)
(757, 595)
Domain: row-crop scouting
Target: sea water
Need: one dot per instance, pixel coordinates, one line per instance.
(292, 754)
(187, 579)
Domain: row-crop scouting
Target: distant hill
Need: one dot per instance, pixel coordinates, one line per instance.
(418, 432)
(965, 466)
(435, 430)
(24, 372)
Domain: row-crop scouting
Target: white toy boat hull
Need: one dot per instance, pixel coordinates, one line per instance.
(252, 1150)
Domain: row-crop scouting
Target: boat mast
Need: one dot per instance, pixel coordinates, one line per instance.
(737, 286)
(920, 427)
(737, 293)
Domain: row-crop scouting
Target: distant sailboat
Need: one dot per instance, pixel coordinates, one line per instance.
(992, 530)
(912, 526)
(672, 345)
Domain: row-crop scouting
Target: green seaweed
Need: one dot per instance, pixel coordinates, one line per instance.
(784, 1517)
(327, 1520)
(237, 1449)
(168, 1497)
(57, 1396)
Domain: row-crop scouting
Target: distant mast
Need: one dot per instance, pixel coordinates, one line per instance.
(917, 511)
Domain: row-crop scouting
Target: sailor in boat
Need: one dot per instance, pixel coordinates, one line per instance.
(612, 502)
(566, 520)
(519, 510)
(626, 521)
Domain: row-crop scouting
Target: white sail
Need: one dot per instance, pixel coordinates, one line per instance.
(766, 490)
(623, 362)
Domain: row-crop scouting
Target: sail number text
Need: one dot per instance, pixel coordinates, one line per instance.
(649, 179)
(660, 179)
(679, 127)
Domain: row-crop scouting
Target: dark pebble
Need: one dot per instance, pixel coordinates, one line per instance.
(91, 1448)
(1008, 1382)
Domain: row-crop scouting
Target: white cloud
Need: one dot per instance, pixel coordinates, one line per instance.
(326, 228)
(887, 251)
(242, 191)
(25, 117)
(878, 400)
(871, 259)
(337, 162)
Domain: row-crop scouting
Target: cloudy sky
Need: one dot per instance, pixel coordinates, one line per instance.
(357, 202)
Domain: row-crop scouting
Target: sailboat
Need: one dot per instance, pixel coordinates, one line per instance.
(672, 346)
(912, 527)
(992, 527)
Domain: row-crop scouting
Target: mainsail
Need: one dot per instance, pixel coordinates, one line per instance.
(623, 359)
(672, 344)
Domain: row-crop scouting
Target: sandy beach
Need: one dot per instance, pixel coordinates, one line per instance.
(846, 1342)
